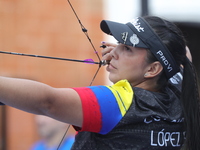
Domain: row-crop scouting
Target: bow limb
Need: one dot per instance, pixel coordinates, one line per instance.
(84, 30)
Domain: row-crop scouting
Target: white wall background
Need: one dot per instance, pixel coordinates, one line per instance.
(121, 10)
(176, 10)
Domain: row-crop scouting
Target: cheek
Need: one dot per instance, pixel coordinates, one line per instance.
(133, 64)
(137, 68)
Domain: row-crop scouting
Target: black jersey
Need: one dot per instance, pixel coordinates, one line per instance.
(154, 121)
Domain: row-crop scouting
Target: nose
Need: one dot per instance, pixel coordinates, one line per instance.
(115, 53)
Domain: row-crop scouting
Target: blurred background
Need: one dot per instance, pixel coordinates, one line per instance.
(50, 28)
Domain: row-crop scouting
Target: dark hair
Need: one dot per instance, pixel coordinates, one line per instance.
(173, 38)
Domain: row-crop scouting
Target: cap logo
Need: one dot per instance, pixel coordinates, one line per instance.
(165, 61)
(134, 39)
(137, 25)
(124, 36)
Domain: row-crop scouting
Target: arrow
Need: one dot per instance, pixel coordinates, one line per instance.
(89, 61)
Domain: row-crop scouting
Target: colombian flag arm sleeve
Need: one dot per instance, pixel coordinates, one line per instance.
(104, 106)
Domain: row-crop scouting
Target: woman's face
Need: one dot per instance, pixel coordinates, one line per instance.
(129, 63)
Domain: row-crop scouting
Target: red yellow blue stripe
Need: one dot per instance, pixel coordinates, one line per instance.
(104, 106)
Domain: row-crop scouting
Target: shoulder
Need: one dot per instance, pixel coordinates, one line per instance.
(104, 106)
(166, 105)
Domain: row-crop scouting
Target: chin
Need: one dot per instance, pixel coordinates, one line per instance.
(114, 79)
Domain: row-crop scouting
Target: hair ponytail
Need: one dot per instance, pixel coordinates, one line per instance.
(173, 38)
(190, 100)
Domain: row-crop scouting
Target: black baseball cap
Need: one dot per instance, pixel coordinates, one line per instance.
(138, 33)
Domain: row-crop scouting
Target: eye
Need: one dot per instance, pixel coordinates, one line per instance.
(127, 48)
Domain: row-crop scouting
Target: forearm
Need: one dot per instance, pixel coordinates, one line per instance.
(25, 94)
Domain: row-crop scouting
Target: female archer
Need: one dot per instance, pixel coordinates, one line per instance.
(152, 104)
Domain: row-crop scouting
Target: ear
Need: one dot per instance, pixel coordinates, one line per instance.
(154, 69)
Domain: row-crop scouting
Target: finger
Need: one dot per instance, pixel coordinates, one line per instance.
(107, 50)
(108, 44)
(107, 56)
(106, 59)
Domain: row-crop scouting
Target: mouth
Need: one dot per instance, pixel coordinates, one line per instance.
(111, 67)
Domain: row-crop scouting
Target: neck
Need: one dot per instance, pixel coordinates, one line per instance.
(149, 84)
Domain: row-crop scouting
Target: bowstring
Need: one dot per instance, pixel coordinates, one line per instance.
(63, 137)
(95, 51)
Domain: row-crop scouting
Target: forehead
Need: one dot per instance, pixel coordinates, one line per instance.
(135, 50)
(132, 47)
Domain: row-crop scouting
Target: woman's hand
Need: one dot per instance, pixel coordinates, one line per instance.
(107, 48)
